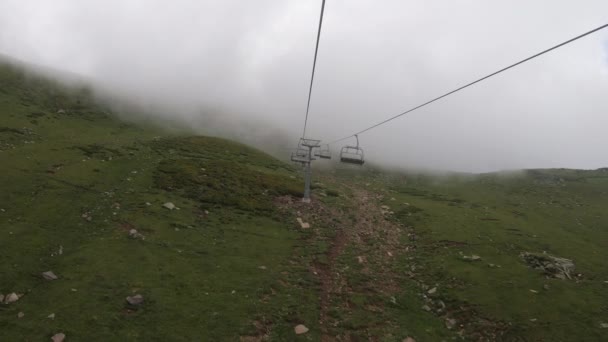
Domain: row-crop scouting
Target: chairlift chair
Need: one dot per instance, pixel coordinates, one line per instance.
(300, 155)
(324, 153)
(352, 154)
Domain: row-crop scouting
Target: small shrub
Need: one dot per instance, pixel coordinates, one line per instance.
(332, 193)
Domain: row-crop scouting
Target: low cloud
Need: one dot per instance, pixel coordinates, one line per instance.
(241, 69)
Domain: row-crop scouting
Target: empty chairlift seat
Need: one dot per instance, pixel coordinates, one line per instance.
(323, 153)
(352, 154)
(300, 155)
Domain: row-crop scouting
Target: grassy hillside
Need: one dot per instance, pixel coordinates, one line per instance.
(496, 295)
(75, 181)
(387, 256)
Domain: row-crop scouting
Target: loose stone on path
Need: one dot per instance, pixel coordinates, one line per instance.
(303, 225)
(450, 323)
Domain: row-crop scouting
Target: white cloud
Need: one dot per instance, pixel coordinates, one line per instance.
(252, 60)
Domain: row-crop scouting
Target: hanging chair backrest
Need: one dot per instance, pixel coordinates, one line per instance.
(301, 152)
(354, 150)
(352, 154)
(324, 152)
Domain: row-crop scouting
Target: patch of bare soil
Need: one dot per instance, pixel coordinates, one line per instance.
(364, 228)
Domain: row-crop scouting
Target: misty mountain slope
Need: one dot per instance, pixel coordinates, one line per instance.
(75, 182)
(387, 255)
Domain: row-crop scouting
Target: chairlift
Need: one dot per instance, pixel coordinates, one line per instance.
(323, 153)
(302, 153)
(352, 154)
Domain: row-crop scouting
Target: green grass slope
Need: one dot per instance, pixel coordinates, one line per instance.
(75, 181)
(388, 255)
(497, 217)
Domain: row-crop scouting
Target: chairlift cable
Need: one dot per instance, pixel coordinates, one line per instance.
(474, 82)
(314, 64)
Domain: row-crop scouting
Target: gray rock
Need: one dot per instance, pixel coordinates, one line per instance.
(552, 266)
(426, 308)
(49, 275)
(20, 314)
(300, 329)
(51, 316)
(604, 325)
(303, 225)
(471, 258)
(58, 337)
(11, 298)
(450, 323)
(135, 300)
(169, 205)
(134, 234)
(432, 291)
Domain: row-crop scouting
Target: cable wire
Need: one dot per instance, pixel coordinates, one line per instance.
(314, 64)
(474, 82)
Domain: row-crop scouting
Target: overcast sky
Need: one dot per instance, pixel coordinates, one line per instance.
(249, 63)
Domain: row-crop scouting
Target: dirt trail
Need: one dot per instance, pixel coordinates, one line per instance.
(364, 229)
